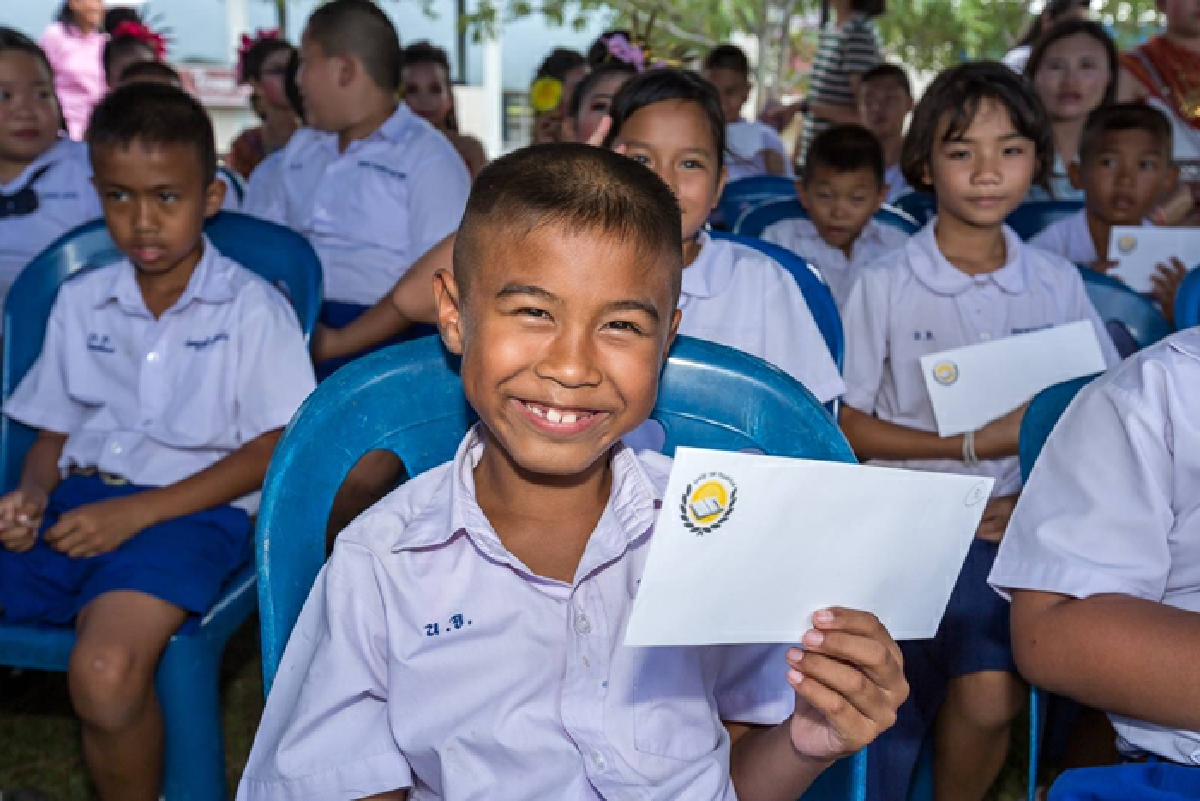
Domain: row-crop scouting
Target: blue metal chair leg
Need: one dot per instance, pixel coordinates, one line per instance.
(194, 768)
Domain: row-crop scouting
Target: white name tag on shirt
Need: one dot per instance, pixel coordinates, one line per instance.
(971, 386)
(748, 547)
(1138, 250)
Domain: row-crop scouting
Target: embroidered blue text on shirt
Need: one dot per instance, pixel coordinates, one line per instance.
(455, 623)
(201, 344)
(100, 343)
(1031, 329)
(926, 336)
(388, 171)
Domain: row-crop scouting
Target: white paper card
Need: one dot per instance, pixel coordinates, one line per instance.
(1138, 250)
(971, 386)
(748, 547)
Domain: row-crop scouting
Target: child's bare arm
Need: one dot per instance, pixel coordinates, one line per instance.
(1118, 653)
(101, 527)
(775, 163)
(873, 438)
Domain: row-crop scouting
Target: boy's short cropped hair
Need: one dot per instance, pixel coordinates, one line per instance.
(1124, 117)
(884, 71)
(361, 29)
(955, 96)
(574, 187)
(151, 70)
(153, 114)
(845, 148)
(728, 57)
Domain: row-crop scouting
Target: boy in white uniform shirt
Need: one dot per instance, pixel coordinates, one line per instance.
(754, 147)
(979, 138)
(372, 185)
(842, 187)
(161, 389)
(1102, 563)
(464, 639)
(45, 178)
(884, 103)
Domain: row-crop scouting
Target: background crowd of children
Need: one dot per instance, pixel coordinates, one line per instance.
(164, 382)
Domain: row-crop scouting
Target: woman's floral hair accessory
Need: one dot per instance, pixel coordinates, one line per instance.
(621, 49)
(545, 94)
(138, 31)
(248, 43)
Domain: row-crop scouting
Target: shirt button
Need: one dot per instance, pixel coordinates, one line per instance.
(116, 448)
(582, 624)
(984, 337)
(152, 356)
(599, 760)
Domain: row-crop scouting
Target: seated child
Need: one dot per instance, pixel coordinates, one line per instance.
(262, 65)
(979, 139)
(264, 189)
(562, 303)
(370, 184)
(430, 94)
(884, 103)
(1100, 563)
(842, 188)
(754, 147)
(161, 389)
(1124, 166)
(45, 178)
(593, 97)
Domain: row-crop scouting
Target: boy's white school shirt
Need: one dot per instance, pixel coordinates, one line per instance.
(157, 401)
(373, 210)
(66, 199)
(746, 140)
(801, 237)
(265, 191)
(1069, 238)
(914, 302)
(1113, 505)
(428, 656)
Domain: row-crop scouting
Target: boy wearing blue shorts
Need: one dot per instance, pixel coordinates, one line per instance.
(161, 389)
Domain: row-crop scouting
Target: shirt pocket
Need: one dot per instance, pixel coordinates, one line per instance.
(674, 714)
(377, 213)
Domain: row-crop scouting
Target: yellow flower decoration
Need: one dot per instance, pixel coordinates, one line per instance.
(545, 94)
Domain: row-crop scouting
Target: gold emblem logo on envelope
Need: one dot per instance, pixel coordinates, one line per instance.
(945, 373)
(707, 503)
(1127, 244)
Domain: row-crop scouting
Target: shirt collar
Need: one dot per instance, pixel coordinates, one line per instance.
(939, 275)
(210, 283)
(712, 271)
(59, 151)
(394, 129)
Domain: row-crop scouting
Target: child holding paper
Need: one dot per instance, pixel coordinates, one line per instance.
(562, 303)
(978, 140)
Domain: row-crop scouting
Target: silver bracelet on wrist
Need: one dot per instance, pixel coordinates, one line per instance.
(970, 458)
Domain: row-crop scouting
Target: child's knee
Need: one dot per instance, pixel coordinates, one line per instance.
(991, 700)
(109, 685)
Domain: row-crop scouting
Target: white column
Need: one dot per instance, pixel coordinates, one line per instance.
(493, 95)
(237, 22)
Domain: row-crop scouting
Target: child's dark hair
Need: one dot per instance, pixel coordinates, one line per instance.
(598, 53)
(153, 114)
(120, 47)
(845, 148)
(660, 85)
(574, 187)
(885, 70)
(361, 29)
(560, 62)
(429, 53)
(252, 61)
(67, 17)
(1054, 11)
(954, 99)
(116, 16)
(150, 69)
(728, 57)
(594, 77)
(1124, 117)
(1073, 27)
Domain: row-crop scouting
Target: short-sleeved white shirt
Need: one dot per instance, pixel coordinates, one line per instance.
(428, 656)
(157, 401)
(66, 199)
(736, 296)
(914, 302)
(746, 141)
(1069, 238)
(265, 191)
(1113, 504)
(801, 237)
(373, 210)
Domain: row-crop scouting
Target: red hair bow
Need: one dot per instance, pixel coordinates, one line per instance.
(136, 30)
(248, 42)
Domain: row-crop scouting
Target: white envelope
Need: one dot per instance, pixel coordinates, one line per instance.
(973, 385)
(1138, 250)
(748, 547)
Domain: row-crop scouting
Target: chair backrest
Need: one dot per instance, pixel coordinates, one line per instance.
(1119, 304)
(236, 183)
(408, 399)
(1041, 417)
(278, 254)
(1031, 217)
(1187, 301)
(816, 293)
(920, 206)
(758, 218)
(745, 193)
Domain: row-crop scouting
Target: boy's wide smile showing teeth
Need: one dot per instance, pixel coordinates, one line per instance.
(558, 418)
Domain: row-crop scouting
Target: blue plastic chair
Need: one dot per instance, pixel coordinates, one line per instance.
(408, 399)
(1187, 301)
(1031, 217)
(187, 674)
(920, 206)
(1040, 418)
(235, 182)
(758, 218)
(1119, 305)
(745, 193)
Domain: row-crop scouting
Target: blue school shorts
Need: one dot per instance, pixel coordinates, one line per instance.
(183, 561)
(339, 315)
(1144, 781)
